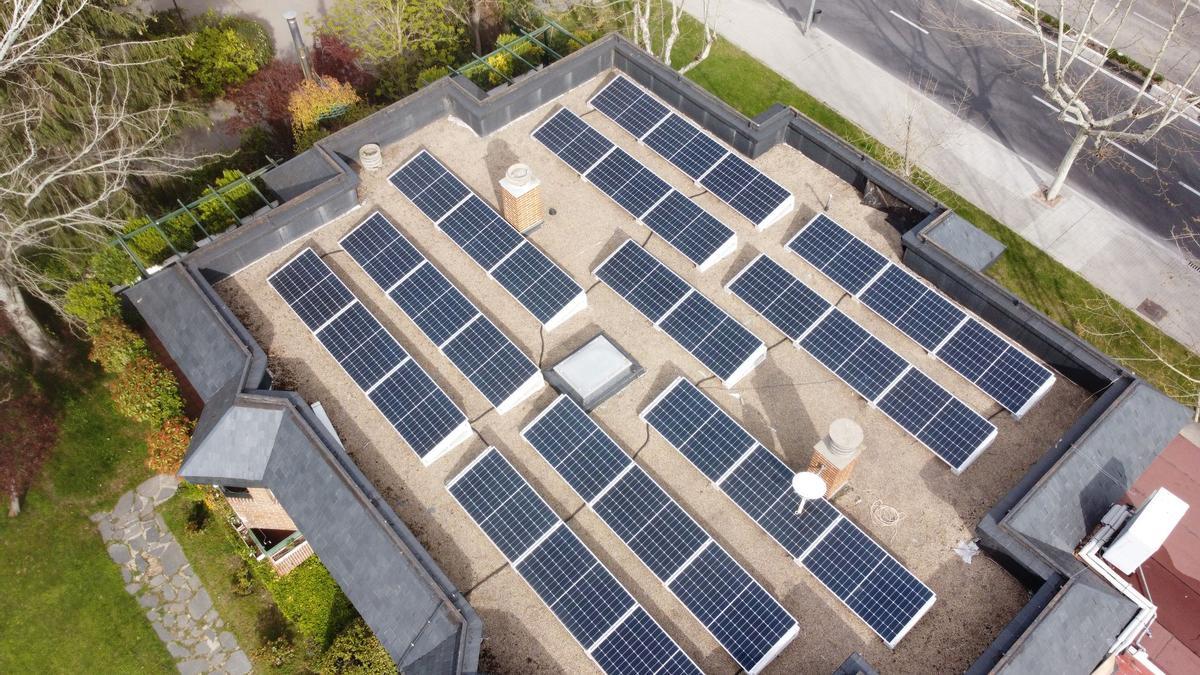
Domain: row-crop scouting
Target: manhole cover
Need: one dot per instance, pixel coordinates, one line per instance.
(1152, 310)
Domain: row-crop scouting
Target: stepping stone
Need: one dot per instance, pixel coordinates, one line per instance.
(120, 553)
(238, 663)
(199, 605)
(193, 667)
(177, 650)
(172, 558)
(228, 641)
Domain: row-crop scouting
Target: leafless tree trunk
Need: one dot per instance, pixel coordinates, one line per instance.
(669, 13)
(62, 194)
(1067, 42)
(916, 136)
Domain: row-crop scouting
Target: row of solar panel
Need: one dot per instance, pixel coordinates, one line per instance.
(484, 354)
(691, 230)
(922, 407)
(732, 179)
(401, 390)
(589, 601)
(718, 591)
(541, 286)
(975, 351)
(872, 583)
(718, 341)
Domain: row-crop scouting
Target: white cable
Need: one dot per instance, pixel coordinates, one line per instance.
(885, 515)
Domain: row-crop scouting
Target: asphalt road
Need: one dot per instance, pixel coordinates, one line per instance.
(1155, 185)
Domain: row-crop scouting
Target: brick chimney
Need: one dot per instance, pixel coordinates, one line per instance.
(835, 455)
(521, 198)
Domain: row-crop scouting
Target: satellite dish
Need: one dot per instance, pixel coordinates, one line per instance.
(807, 485)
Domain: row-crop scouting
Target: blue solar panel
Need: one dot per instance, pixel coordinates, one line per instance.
(569, 137)
(941, 422)
(729, 177)
(739, 612)
(647, 284)
(503, 504)
(722, 344)
(975, 351)
(698, 155)
(419, 411)
(584, 595)
(433, 303)
(760, 199)
(887, 597)
(524, 271)
(477, 347)
(692, 423)
(652, 524)
(639, 645)
(416, 175)
(627, 105)
(578, 450)
(438, 199)
(668, 541)
(671, 136)
(834, 339)
(677, 219)
(780, 298)
(616, 97)
(872, 368)
(588, 600)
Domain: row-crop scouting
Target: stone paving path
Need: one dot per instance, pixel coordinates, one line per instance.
(159, 576)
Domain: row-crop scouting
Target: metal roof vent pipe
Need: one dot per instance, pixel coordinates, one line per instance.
(370, 157)
(298, 43)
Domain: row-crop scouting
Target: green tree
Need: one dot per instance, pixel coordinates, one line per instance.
(90, 109)
(423, 30)
(216, 59)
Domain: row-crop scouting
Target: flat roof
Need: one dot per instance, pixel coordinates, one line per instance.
(788, 402)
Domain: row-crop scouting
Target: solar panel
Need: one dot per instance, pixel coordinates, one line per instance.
(885, 595)
(730, 178)
(719, 342)
(744, 618)
(542, 287)
(401, 390)
(967, 345)
(586, 598)
(573, 140)
(861, 360)
(488, 359)
(683, 224)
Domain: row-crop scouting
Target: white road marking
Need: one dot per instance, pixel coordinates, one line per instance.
(908, 22)
(1044, 102)
(1150, 21)
(1189, 188)
(1133, 154)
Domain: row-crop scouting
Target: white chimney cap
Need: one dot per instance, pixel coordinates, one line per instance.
(1146, 532)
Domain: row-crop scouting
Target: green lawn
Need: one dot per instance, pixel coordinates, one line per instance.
(63, 606)
(305, 606)
(751, 87)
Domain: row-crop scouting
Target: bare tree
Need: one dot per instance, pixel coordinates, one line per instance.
(915, 134)
(667, 15)
(1069, 43)
(82, 118)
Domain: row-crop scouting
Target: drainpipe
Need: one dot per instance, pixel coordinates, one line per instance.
(1089, 553)
(298, 43)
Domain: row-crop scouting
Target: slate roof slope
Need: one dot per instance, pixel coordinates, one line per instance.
(1073, 633)
(409, 609)
(1063, 507)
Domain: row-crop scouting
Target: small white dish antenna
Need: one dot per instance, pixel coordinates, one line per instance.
(807, 485)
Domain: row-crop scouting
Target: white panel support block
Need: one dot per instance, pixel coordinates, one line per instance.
(461, 433)
(575, 306)
(530, 387)
(759, 355)
(780, 212)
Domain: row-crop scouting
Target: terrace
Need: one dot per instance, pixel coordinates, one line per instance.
(787, 402)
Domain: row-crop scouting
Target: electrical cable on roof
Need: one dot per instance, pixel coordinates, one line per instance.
(885, 515)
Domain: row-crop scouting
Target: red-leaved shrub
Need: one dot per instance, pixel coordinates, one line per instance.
(263, 99)
(165, 448)
(332, 57)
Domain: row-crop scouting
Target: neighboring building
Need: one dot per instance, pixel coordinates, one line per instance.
(293, 485)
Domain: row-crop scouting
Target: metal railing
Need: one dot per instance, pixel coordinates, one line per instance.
(481, 63)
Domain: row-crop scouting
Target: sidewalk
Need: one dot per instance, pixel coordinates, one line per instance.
(1109, 252)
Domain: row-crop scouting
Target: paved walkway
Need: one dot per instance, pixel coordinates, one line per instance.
(159, 576)
(1111, 253)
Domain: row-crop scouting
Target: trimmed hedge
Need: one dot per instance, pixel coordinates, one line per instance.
(312, 601)
(91, 301)
(146, 391)
(115, 345)
(356, 650)
(166, 447)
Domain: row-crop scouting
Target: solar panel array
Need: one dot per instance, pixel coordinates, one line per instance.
(670, 214)
(732, 179)
(970, 347)
(542, 287)
(719, 342)
(932, 415)
(481, 352)
(847, 561)
(591, 603)
(404, 394)
(735, 608)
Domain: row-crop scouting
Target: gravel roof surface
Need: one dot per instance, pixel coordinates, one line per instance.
(787, 402)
